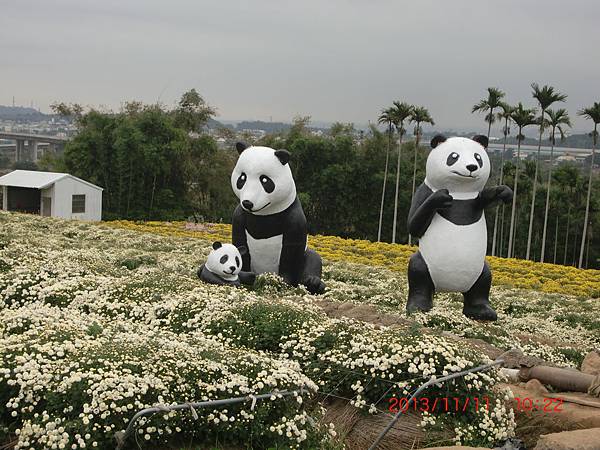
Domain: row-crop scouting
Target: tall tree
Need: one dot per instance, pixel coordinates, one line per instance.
(567, 179)
(522, 117)
(488, 105)
(592, 113)
(556, 120)
(505, 115)
(418, 116)
(192, 111)
(342, 129)
(545, 97)
(386, 117)
(400, 112)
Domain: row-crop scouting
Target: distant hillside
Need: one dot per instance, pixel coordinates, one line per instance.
(574, 141)
(20, 113)
(269, 127)
(213, 123)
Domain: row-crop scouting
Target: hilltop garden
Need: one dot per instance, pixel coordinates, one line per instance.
(100, 321)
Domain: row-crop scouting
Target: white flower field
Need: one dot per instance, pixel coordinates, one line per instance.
(97, 323)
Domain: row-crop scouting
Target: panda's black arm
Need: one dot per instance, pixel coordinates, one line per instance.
(423, 207)
(291, 261)
(238, 235)
(492, 195)
(208, 277)
(247, 278)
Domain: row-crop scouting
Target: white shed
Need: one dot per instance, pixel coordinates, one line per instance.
(51, 194)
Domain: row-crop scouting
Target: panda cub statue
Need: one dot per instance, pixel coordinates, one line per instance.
(447, 215)
(224, 266)
(269, 221)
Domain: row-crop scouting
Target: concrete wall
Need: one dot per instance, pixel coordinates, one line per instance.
(64, 190)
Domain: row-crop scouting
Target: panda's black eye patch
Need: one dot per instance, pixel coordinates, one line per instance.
(479, 160)
(267, 184)
(223, 259)
(237, 261)
(452, 158)
(241, 181)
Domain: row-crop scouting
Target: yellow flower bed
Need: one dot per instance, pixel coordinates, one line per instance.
(509, 272)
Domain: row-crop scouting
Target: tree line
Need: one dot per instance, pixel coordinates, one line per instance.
(553, 121)
(159, 163)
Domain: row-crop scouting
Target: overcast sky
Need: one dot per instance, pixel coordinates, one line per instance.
(332, 59)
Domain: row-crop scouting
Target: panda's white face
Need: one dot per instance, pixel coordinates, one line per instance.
(263, 181)
(458, 164)
(225, 261)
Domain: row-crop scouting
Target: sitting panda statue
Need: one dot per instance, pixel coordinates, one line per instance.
(269, 220)
(447, 215)
(223, 266)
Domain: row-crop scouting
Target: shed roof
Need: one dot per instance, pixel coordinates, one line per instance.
(37, 180)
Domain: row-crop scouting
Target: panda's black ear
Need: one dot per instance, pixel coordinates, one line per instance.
(242, 249)
(217, 245)
(483, 140)
(241, 146)
(437, 140)
(283, 156)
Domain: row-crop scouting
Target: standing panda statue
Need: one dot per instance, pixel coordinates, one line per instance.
(447, 215)
(269, 221)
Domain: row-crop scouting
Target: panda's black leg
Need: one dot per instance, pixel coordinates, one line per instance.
(477, 299)
(420, 285)
(311, 276)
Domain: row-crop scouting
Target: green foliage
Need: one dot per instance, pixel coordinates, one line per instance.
(573, 355)
(489, 104)
(25, 165)
(158, 164)
(146, 158)
(134, 262)
(262, 326)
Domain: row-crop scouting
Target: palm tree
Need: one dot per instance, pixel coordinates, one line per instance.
(506, 116)
(401, 111)
(567, 179)
(418, 115)
(387, 117)
(556, 120)
(592, 113)
(522, 117)
(545, 96)
(488, 105)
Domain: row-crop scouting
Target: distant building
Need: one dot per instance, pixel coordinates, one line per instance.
(566, 158)
(51, 194)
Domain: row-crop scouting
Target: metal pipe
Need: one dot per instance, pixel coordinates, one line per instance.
(425, 386)
(563, 379)
(121, 436)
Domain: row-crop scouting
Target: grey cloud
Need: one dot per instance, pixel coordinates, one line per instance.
(334, 59)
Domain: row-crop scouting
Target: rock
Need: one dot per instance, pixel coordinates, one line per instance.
(511, 444)
(515, 359)
(534, 385)
(570, 440)
(566, 417)
(591, 363)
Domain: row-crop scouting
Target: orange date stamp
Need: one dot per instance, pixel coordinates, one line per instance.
(437, 404)
(463, 404)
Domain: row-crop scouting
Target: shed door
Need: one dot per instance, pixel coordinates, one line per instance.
(46, 206)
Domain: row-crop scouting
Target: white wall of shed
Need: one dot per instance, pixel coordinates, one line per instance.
(62, 200)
